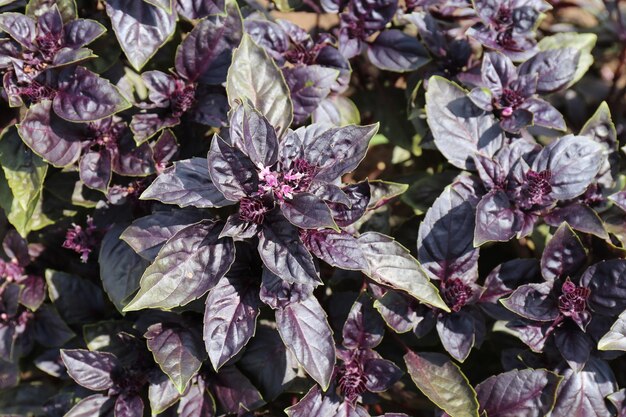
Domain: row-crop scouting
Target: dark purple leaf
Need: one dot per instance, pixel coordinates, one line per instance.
(506, 277)
(457, 334)
(533, 302)
(314, 404)
(19, 27)
(92, 370)
(84, 97)
(459, 127)
(50, 330)
(132, 160)
(120, 267)
(81, 32)
(307, 211)
(580, 216)
(95, 170)
(197, 9)
(495, 219)
(252, 133)
(574, 345)
(205, 54)
(573, 162)
(209, 109)
(278, 293)
(78, 300)
(267, 347)
(308, 85)
(339, 249)
(49, 136)
(189, 264)
(33, 291)
(358, 197)
(555, 68)
(197, 402)
(230, 317)
(93, 406)
(284, 254)
(391, 264)
(147, 235)
(445, 246)
(128, 405)
(364, 328)
(177, 350)
(233, 391)
(518, 393)
(393, 50)
(381, 374)
(305, 331)
(187, 183)
(564, 255)
(582, 393)
(607, 282)
(232, 172)
(146, 125)
(336, 151)
(162, 393)
(141, 28)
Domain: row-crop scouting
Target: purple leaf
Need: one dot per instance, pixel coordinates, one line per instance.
(147, 235)
(84, 97)
(533, 302)
(177, 350)
(358, 198)
(506, 277)
(580, 216)
(393, 50)
(197, 402)
(441, 255)
(197, 9)
(54, 139)
(457, 334)
(305, 331)
(95, 170)
(187, 183)
(120, 267)
(284, 254)
(81, 32)
(128, 405)
(459, 127)
(307, 211)
(267, 347)
(574, 345)
(278, 293)
(189, 264)
(518, 393)
(162, 393)
(336, 151)
(232, 172)
(234, 392)
(555, 68)
(205, 54)
(314, 404)
(230, 317)
(564, 255)
(338, 249)
(92, 370)
(495, 219)
(607, 282)
(141, 28)
(308, 85)
(252, 133)
(364, 328)
(381, 374)
(19, 27)
(389, 263)
(573, 162)
(582, 393)
(93, 406)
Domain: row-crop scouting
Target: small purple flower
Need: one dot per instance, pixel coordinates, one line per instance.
(352, 378)
(81, 239)
(536, 191)
(573, 300)
(456, 293)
